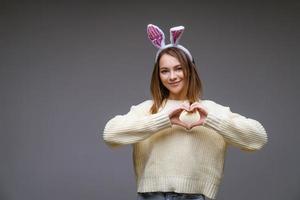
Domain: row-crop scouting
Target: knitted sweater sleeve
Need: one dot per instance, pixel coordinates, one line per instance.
(245, 133)
(134, 126)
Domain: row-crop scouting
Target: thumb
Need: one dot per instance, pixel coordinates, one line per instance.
(175, 112)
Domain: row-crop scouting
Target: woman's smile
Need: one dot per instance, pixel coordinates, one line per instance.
(175, 84)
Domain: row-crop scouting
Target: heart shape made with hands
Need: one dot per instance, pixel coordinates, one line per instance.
(189, 117)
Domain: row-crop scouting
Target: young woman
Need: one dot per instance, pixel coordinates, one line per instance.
(179, 140)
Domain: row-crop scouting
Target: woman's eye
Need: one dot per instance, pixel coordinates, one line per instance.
(163, 72)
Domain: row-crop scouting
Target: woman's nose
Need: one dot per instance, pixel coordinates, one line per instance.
(173, 75)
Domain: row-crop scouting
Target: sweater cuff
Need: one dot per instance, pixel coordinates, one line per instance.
(215, 121)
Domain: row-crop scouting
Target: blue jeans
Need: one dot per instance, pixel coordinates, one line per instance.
(169, 196)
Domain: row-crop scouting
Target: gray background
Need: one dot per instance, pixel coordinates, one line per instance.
(67, 68)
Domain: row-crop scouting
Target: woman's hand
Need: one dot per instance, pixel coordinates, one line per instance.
(196, 106)
(202, 111)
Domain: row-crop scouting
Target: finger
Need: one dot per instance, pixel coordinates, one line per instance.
(180, 123)
(192, 107)
(189, 127)
(202, 110)
(179, 110)
(198, 123)
(186, 106)
(176, 112)
(195, 104)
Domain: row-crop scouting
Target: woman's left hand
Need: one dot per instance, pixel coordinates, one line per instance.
(202, 111)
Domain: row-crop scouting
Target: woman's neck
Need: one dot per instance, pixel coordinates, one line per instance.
(178, 98)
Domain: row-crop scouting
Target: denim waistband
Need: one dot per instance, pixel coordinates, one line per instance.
(169, 196)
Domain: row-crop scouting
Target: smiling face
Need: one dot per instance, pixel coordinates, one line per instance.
(172, 77)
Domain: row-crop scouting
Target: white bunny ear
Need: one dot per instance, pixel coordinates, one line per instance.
(175, 34)
(156, 36)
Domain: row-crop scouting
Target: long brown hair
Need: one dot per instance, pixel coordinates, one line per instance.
(194, 84)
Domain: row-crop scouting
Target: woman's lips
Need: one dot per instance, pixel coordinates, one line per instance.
(175, 84)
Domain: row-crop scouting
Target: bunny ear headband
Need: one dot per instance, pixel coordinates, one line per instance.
(157, 37)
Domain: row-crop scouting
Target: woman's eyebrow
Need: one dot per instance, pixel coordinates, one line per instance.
(170, 67)
(163, 68)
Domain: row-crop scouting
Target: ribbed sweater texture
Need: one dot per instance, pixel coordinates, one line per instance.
(170, 158)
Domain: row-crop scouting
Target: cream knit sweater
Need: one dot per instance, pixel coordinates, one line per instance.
(170, 158)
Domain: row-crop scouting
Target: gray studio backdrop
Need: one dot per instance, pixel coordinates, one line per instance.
(67, 68)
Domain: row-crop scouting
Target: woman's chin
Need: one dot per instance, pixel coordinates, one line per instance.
(175, 93)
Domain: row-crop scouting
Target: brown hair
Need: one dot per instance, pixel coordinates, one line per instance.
(160, 92)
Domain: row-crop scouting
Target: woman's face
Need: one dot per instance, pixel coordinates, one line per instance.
(172, 76)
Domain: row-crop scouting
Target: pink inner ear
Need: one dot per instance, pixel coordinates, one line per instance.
(156, 36)
(176, 34)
